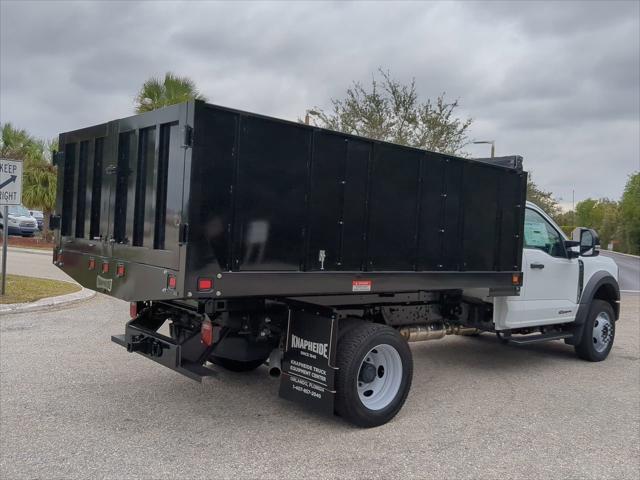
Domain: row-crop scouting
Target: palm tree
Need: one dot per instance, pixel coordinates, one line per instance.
(157, 93)
(39, 177)
(39, 182)
(19, 144)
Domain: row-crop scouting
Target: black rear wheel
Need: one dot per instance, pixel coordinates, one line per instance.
(374, 375)
(236, 365)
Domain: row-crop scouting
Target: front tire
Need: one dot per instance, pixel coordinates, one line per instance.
(374, 375)
(598, 332)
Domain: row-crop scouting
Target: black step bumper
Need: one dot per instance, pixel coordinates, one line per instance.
(186, 358)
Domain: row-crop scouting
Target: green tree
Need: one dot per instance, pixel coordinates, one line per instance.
(544, 200)
(587, 214)
(566, 221)
(630, 214)
(610, 224)
(601, 215)
(39, 190)
(39, 175)
(157, 93)
(18, 144)
(391, 111)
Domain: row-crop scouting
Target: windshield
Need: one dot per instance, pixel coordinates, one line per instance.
(18, 211)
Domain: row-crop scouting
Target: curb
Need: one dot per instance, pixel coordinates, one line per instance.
(48, 302)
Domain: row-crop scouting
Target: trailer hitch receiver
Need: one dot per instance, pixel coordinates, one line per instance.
(146, 345)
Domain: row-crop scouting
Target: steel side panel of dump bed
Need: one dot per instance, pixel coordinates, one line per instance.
(281, 208)
(120, 198)
(266, 207)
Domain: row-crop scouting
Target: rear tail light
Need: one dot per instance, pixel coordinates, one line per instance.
(105, 267)
(205, 284)
(206, 333)
(133, 309)
(516, 279)
(120, 270)
(172, 282)
(92, 264)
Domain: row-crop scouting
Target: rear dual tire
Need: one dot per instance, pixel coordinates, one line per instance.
(374, 375)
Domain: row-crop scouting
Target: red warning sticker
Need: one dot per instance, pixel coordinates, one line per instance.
(361, 286)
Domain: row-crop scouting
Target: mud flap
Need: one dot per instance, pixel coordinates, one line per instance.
(308, 365)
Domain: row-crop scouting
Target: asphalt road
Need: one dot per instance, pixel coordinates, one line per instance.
(629, 270)
(75, 405)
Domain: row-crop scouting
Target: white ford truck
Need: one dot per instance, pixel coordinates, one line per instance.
(260, 241)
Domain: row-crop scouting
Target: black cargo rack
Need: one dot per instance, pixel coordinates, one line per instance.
(258, 206)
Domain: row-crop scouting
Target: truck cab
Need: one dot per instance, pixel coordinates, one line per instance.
(562, 279)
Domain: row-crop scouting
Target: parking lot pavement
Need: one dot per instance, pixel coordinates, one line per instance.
(75, 405)
(34, 265)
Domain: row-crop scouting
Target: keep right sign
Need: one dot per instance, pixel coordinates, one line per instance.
(10, 182)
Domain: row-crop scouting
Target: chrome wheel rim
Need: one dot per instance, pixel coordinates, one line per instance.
(379, 377)
(602, 332)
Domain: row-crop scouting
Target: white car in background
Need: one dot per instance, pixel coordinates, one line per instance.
(39, 216)
(20, 221)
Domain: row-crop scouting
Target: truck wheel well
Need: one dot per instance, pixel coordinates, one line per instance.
(607, 292)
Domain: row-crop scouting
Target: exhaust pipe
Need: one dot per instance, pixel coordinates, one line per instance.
(460, 330)
(275, 362)
(433, 331)
(418, 333)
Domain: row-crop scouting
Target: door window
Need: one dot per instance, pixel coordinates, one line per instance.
(541, 235)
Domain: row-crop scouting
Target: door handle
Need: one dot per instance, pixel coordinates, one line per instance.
(539, 266)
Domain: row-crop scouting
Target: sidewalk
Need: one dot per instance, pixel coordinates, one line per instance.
(37, 251)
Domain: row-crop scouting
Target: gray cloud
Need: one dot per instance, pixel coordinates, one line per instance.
(558, 82)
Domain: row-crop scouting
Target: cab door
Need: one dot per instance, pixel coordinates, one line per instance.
(549, 293)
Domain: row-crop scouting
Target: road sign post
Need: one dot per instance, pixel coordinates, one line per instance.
(10, 194)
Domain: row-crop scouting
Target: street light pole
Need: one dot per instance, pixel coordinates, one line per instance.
(307, 114)
(490, 142)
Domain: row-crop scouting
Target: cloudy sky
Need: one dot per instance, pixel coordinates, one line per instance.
(556, 82)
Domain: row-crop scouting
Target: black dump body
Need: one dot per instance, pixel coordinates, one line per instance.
(270, 208)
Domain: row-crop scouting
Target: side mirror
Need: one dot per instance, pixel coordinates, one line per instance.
(54, 222)
(588, 240)
(569, 246)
